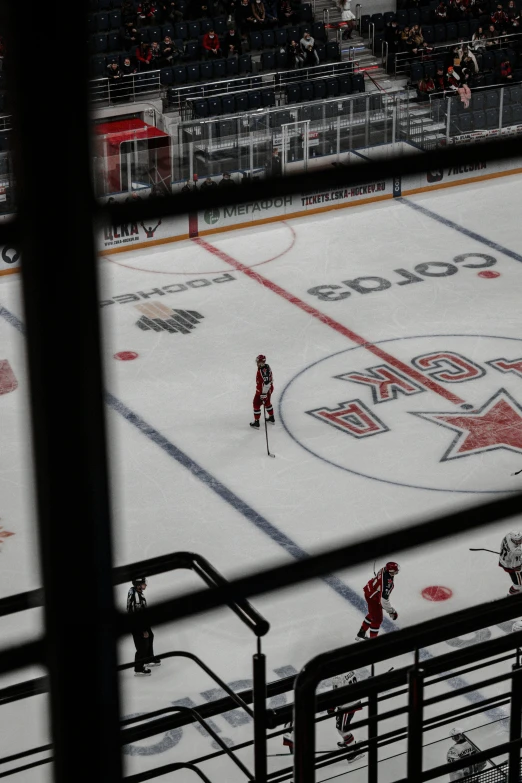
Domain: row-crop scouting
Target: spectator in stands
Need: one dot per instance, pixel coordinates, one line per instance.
(287, 15)
(464, 90)
(170, 12)
(506, 72)
(211, 47)
(128, 12)
(115, 78)
(491, 36)
(499, 17)
(147, 13)
(129, 36)
(478, 40)
(308, 49)
(245, 19)
(259, 13)
(128, 70)
(426, 52)
(208, 184)
(425, 88)
(452, 80)
(441, 14)
(440, 80)
(275, 169)
(167, 52)
(513, 14)
(227, 181)
(295, 56)
(155, 56)
(417, 39)
(347, 17)
(143, 56)
(468, 59)
(232, 43)
(186, 187)
(392, 35)
(271, 12)
(406, 42)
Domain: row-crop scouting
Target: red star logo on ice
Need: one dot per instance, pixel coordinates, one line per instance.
(497, 425)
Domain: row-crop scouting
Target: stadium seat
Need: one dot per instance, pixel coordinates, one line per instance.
(365, 24)
(333, 53)
(345, 85)
(478, 101)
(228, 104)
(268, 39)
(506, 116)
(166, 76)
(241, 102)
(102, 22)
(492, 118)
(304, 28)
(205, 71)
(268, 61)
(320, 48)
(414, 16)
(293, 93)
(389, 16)
(429, 69)
(268, 98)
(332, 87)
(256, 41)
(440, 32)
(292, 33)
(181, 30)
(479, 120)
(378, 21)
(192, 72)
(516, 93)
(492, 99)
(319, 86)
(463, 30)
(465, 124)
(245, 64)
(155, 34)
(306, 12)
(91, 23)
(191, 50)
(317, 111)
(402, 18)
(281, 59)
(488, 61)
(516, 113)
(451, 31)
(167, 29)
(358, 82)
(99, 43)
(98, 67)
(219, 69)
(214, 106)
(307, 92)
(232, 66)
(254, 99)
(416, 72)
(193, 29)
(143, 35)
(204, 26)
(104, 5)
(220, 25)
(113, 42)
(200, 108)
(319, 31)
(428, 32)
(115, 20)
(280, 36)
(179, 72)
(474, 25)
(426, 16)
(305, 113)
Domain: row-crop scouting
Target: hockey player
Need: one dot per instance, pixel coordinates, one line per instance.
(264, 389)
(344, 715)
(511, 560)
(462, 748)
(288, 737)
(377, 593)
(143, 639)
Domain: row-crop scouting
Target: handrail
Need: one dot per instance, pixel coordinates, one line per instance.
(159, 771)
(182, 654)
(136, 733)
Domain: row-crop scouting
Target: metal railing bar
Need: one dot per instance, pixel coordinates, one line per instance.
(26, 767)
(23, 690)
(136, 733)
(467, 689)
(25, 753)
(159, 771)
(21, 601)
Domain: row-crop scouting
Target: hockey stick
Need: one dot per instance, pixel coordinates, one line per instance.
(478, 750)
(266, 434)
(517, 472)
(484, 550)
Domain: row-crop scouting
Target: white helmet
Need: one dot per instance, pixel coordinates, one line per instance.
(515, 537)
(344, 679)
(456, 732)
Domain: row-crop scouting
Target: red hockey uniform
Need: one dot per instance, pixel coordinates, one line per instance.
(377, 593)
(264, 389)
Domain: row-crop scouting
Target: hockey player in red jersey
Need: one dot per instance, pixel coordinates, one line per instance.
(264, 389)
(377, 593)
(343, 717)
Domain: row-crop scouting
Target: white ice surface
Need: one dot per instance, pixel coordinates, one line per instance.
(324, 487)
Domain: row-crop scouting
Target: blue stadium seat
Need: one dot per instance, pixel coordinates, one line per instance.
(193, 29)
(98, 67)
(320, 48)
(463, 30)
(451, 31)
(192, 50)
(214, 106)
(307, 91)
(317, 111)
(414, 16)
(492, 99)
(358, 82)
(516, 113)
(104, 5)
(402, 18)
(305, 113)
(281, 59)
(516, 93)
(181, 30)
(102, 22)
(332, 87)
(319, 31)
(378, 21)
(228, 104)
(205, 71)
(428, 33)
(416, 72)
(115, 20)
(204, 26)
(474, 25)
(479, 120)
(99, 43)
(241, 102)
(306, 13)
(167, 29)
(345, 85)
(389, 16)
(365, 23)
(256, 41)
(429, 69)
(492, 118)
(333, 52)
(113, 42)
(427, 16)
(254, 99)
(220, 25)
(319, 86)
(293, 93)
(91, 23)
(305, 28)
(219, 69)
(506, 116)
(179, 72)
(155, 34)
(232, 66)
(464, 122)
(143, 35)
(268, 98)
(440, 32)
(292, 33)
(200, 108)
(268, 61)
(268, 39)
(280, 36)
(245, 64)
(192, 72)
(166, 76)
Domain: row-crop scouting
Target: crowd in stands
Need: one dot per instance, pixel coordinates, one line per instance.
(487, 57)
(157, 34)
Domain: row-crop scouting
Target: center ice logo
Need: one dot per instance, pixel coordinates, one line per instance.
(453, 422)
(160, 318)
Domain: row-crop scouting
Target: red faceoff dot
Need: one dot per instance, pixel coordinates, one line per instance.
(126, 356)
(489, 274)
(437, 593)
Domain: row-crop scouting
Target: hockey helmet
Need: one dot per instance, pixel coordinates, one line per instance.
(139, 580)
(515, 537)
(392, 567)
(261, 358)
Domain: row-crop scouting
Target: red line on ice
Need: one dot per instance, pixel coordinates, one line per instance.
(428, 383)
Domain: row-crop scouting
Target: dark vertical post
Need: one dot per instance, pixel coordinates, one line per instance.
(515, 723)
(259, 696)
(304, 727)
(373, 730)
(56, 209)
(415, 717)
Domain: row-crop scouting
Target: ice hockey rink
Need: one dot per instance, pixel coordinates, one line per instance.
(393, 333)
